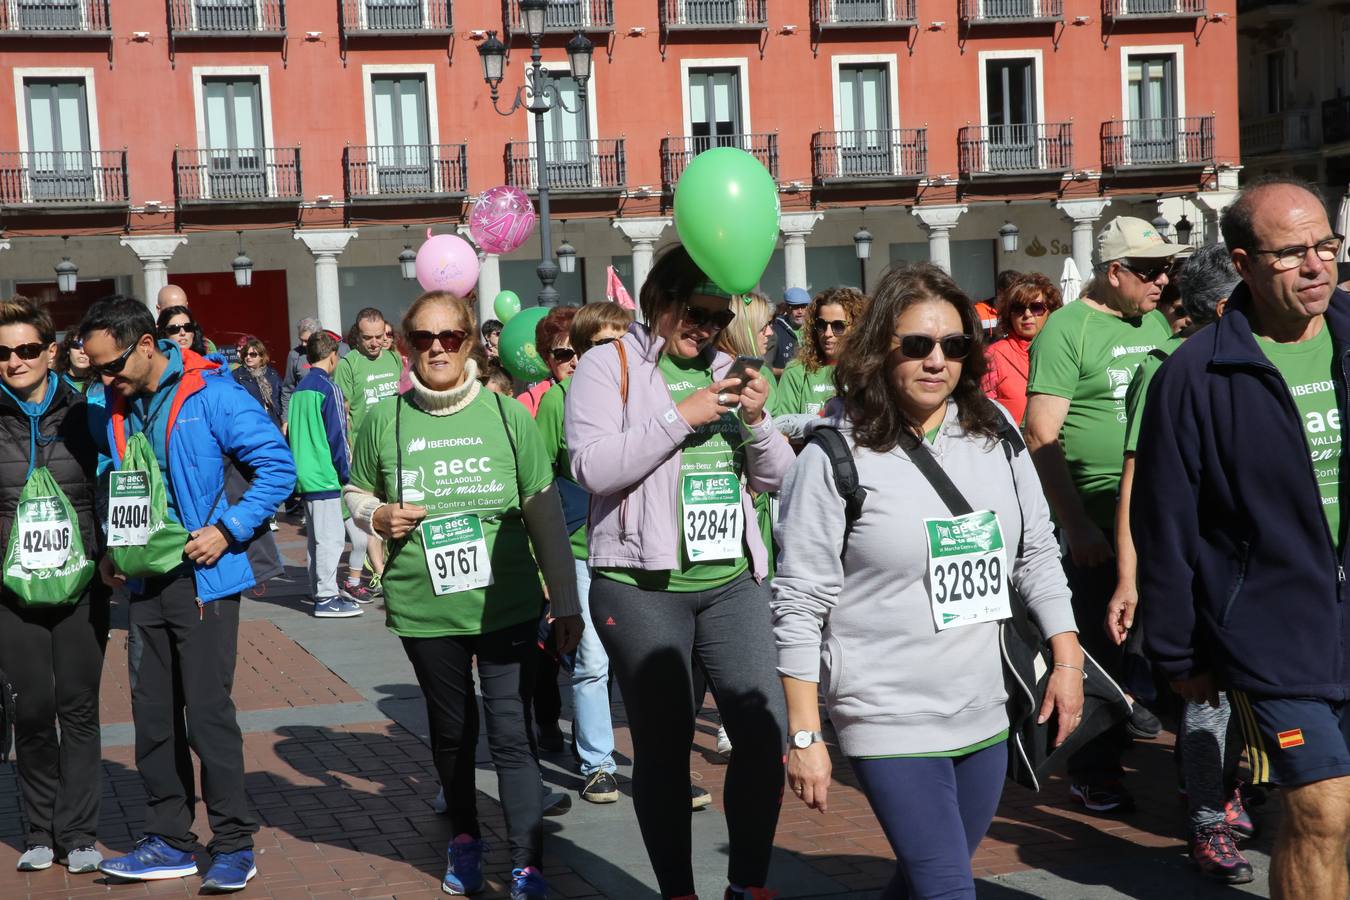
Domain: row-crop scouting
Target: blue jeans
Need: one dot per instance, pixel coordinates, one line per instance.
(592, 728)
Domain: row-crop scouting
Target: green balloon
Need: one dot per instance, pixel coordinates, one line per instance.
(516, 346)
(505, 306)
(726, 212)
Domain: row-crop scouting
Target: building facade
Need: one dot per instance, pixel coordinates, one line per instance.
(149, 140)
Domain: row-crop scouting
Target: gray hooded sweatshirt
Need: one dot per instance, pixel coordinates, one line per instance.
(864, 624)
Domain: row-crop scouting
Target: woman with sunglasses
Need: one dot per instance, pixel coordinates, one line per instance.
(176, 324)
(808, 381)
(1023, 308)
(259, 378)
(51, 655)
(455, 478)
(670, 449)
(554, 345)
(909, 651)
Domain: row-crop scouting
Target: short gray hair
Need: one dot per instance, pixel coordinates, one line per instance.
(308, 324)
(1206, 278)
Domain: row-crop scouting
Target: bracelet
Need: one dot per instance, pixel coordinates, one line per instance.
(1075, 668)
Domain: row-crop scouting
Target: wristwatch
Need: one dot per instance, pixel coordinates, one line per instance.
(803, 739)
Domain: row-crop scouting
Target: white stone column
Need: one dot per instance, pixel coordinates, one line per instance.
(1084, 214)
(795, 228)
(326, 245)
(642, 234)
(154, 251)
(489, 278)
(938, 222)
(1212, 204)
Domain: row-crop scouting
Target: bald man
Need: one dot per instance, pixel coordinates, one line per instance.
(170, 295)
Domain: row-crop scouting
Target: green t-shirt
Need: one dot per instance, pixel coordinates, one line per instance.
(452, 465)
(1307, 369)
(549, 418)
(711, 448)
(364, 382)
(1134, 397)
(1089, 358)
(802, 391)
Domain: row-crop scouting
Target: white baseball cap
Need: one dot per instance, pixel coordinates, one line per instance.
(1127, 237)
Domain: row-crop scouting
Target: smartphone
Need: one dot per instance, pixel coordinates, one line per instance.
(742, 363)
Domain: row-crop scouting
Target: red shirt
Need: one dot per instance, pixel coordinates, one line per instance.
(1009, 362)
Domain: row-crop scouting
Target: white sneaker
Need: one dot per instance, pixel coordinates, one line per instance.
(723, 742)
(36, 858)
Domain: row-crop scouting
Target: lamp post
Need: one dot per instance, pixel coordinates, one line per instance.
(538, 96)
(1184, 228)
(1009, 236)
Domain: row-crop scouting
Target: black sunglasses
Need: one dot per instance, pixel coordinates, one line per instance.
(920, 346)
(451, 341)
(172, 330)
(23, 351)
(116, 366)
(700, 317)
(1035, 307)
(1147, 272)
(838, 326)
(562, 354)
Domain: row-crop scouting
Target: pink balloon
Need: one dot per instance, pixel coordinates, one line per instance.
(447, 262)
(502, 219)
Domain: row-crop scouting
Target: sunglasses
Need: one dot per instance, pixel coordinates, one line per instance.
(172, 330)
(252, 353)
(23, 351)
(920, 346)
(451, 341)
(838, 326)
(1147, 272)
(699, 317)
(116, 366)
(1036, 308)
(562, 354)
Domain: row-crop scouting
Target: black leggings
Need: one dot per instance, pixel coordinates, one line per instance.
(650, 643)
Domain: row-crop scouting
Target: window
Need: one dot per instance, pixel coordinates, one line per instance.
(393, 15)
(402, 151)
(714, 108)
(1153, 128)
(60, 165)
(1011, 114)
(226, 15)
(859, 10)
(568, 136)
(48, 15)
(864, 120)
(234, 137)
(1275, 69)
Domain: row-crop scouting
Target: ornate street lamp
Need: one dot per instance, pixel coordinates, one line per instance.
(67, 273)
(567, 254)
(1008, 237)
(1184, 229)
(242, 265)
(407, 260)
(1162, 226)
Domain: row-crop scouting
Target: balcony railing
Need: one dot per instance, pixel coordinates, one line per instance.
(70, 179)
(1153, 9)
(566, 15)
(215, 18)
(855, 156)
(713, 14)
(1011, 12)
(1026, 149)
(1181, 141)
(579, 166)
(244, 175)
(1336, 120)
(55, 18)
(405, 172)
(1281, 133)
(676, 152)
(862, 13)
(369, 17)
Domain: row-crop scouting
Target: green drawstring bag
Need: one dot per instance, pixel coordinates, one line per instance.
(45, 562)
(142, 539)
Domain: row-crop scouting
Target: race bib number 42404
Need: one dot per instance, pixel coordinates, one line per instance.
(967, 570)
(129, 508)
(457, 555)
(713, 522)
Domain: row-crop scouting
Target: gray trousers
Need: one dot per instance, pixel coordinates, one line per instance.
(326, 537)
(359, 540)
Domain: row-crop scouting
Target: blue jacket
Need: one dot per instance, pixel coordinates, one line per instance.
(1239, 573)
(213, 417)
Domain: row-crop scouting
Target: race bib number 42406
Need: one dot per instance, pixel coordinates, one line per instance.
(44, 534)
(967, 570)
(129, 508)
(457, 555)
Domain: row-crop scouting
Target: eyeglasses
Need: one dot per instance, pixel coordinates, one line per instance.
(838, 326)
(23, 351)
(701, 318)
(451, 341)
(116, 366)
(172, 330)
(1036, 308)
(1150, 272)
(562, 354)
(253, 353)
(1292, 257)
(603, 341)
(77, 343)
(920, 346)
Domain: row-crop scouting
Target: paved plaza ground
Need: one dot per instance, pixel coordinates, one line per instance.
(340, 776)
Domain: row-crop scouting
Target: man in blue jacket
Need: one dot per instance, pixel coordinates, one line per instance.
(184, 625)
(1237, 522)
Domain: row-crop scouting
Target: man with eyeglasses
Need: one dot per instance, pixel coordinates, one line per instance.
(1081, 365)
(1236, 516)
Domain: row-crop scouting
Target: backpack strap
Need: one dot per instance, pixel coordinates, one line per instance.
(845, 469)
(623, 371)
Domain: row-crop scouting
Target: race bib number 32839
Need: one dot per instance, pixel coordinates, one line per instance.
(967, 570)
(129, 508)
(457, 555)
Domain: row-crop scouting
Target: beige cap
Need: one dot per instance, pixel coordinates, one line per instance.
(1126, 237)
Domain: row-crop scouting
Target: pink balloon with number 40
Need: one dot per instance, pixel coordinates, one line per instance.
(502, 219)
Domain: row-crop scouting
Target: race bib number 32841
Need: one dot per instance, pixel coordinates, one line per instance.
(714, 526)
(457, 555)
(967, 570)
(129, 508)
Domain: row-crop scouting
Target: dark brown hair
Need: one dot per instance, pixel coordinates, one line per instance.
(20, 310)
(854, 303)
(670, 283)
(1023, 291)
(863, 377)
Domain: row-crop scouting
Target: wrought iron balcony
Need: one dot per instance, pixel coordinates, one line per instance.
(1011, 12)
(863, 13)
(676, 152)
(1336, 120)
(846, 157)
(394, 173)
(226, 18)
(1158, 143)
(566, 16)
(1281, 133)
(77, 179)
(396, 17)
(55, 18)
(1153, 9)
(1032, 148)
(243, 176)
(597, 166)
(690, 15)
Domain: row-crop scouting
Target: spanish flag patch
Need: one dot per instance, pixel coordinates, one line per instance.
(1291, 738)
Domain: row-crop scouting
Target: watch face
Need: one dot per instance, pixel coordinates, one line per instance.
(801, 740)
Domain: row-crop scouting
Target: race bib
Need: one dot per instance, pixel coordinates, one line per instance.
(44, 534)
(457, 556)
(967, 570)
(714, 524)
(129, 509)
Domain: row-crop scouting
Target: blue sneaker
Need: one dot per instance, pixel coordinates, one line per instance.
(153, 859)
(229, 872)
(527, 883)
(336, 608)
(463, 866)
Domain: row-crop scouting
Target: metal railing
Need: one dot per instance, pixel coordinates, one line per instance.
(1000, 11)
(1179, 141)
(405, 170)
(714, 13)
(861, 13)
(839, 156)
(597, 165)
(1152, 9)
(676, 152)
(63, 178)
(566, 15)
(1290, 130)
(396, 16)
(68, 18)
(241, 175)
(218, 17)
(1016, 149)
